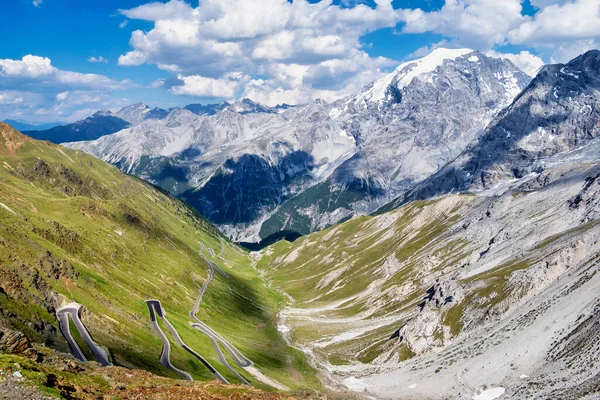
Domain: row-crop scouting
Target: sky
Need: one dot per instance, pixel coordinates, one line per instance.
(61, 60)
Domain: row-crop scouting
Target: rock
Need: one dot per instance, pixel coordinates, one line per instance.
(14, 342)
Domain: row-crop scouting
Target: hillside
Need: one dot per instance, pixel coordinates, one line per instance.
(75, 229)
(33, 372)
(469, 292)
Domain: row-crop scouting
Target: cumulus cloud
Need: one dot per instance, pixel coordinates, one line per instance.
(37, 3)
(305, 44)
(559, 22)
(565, 28)
(29, 66)
(297, 51)
(10, 98)
(560, 29)
(97, 60)
(196, 85)
(525, 61)
(475, 23)
(133, 58)
(123, 24)
(33, 83)
(39, 72)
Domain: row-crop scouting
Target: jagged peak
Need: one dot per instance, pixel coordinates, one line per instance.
(406, 72)
(139, 106)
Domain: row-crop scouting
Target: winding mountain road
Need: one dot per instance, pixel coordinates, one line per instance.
(165, 358)
(214, 337)
(217, 340)
(73, 310)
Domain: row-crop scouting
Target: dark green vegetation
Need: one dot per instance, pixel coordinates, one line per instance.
(320, 199)
(73, 228)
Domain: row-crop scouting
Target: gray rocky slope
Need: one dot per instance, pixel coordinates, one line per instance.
(554, 121)
(256, 173)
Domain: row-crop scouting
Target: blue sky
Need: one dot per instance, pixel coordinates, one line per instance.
(173, 53)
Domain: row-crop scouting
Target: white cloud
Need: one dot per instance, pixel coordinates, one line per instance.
(565, 28)
(97, 60)
(158, 83)
(38, 71)
(62, 96)
(294, 45)
(37, 3)
(298, 51)
(9, 98)
(559, 29)
(525, 61)
(195, 85)
(474, 23)
(559, 22)
(123, 24)
(546, 3)
(29, 66)
(33, 85)
(565, 52)
(133, 58)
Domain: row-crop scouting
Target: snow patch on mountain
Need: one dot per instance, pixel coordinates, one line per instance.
(406, 72)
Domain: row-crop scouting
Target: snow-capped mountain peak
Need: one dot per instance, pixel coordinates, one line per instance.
(406, 72)
(138, 112)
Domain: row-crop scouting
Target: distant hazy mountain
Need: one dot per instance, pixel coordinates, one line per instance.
(244, 106)
(24, 126)
(256, 172)
(103, 122)
(95, 126)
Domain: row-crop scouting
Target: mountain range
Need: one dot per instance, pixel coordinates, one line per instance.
(24, 126)
(257, 173)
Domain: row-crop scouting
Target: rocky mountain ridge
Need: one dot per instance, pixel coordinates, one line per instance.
(479, 293)
(554, 121)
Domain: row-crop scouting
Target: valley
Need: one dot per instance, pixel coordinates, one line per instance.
(443, 226)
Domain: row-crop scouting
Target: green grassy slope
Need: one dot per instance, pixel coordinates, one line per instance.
(430, 270)
(73, 228)
(366, 272)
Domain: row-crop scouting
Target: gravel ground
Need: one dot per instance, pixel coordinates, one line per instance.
(12, 389)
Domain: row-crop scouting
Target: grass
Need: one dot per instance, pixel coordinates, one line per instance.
(52, 374)
(117, 241)
(340, 263)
